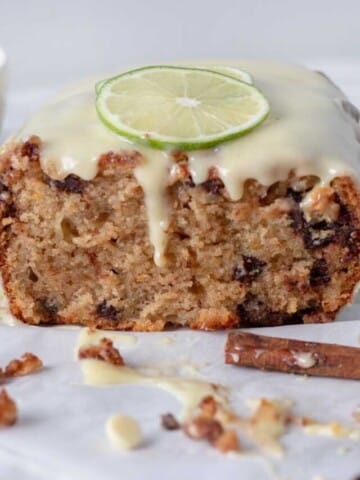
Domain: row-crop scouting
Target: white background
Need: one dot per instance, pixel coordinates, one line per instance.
(51, 43)
(54, 42)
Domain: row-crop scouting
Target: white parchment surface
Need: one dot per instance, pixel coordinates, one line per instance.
(60, 432)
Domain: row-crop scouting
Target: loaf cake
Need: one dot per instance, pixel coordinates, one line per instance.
(260, 230)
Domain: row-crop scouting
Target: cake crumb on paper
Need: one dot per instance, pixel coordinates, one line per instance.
(28, 363)
(8, 409)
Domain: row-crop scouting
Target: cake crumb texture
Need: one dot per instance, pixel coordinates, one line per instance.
(78, 252)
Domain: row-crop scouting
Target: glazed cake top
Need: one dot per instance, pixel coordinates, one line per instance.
(311, 128)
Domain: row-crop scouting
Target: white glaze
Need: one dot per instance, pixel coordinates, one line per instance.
(333, 429)
(310, 129)
(188, 392)
(88, 336)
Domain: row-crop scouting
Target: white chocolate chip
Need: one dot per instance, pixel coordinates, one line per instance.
(124, 432)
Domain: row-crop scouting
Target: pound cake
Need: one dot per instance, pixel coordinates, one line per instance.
(260, 228)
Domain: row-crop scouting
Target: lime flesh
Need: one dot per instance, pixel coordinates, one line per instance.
(231, 71)
(179, 107)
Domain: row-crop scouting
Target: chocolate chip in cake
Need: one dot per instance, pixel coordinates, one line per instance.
(71, 184)
(315, 235)
(190, 182)
(251, 268)
(49, 308)
(10, 210)
(106, 310)
(254, 312)
(319, 273)
(169, 422)
(295, 195)
(322, 225)
(213, 185)
(3, 188)
(313, 241)
(182, 235)
(32, 275)
(31, 149)
(297, 220)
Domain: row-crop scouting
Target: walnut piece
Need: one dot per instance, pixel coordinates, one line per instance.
(203, 428)
(208, 406)
(356, 415)
(104, 351)
(28, 363)
(8, 410)
(228, 442)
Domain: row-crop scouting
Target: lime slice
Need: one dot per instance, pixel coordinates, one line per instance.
(233, 72)
(98, 85)
(179, 107)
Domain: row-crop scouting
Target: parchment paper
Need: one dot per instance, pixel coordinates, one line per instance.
(60, 432)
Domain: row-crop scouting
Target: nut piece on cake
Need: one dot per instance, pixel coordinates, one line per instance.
(260, 229)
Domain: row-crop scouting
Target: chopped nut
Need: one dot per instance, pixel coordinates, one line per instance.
(228, 442)
(179, 156)
(356, 415)
(203, 428)
(208, 406)
(303, 421)
(270, 417)
(169, 422)
(28, 363)
(321, 202)
(104, 351)
(8, 410)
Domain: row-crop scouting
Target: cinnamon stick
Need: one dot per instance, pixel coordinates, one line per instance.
(292, 356)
